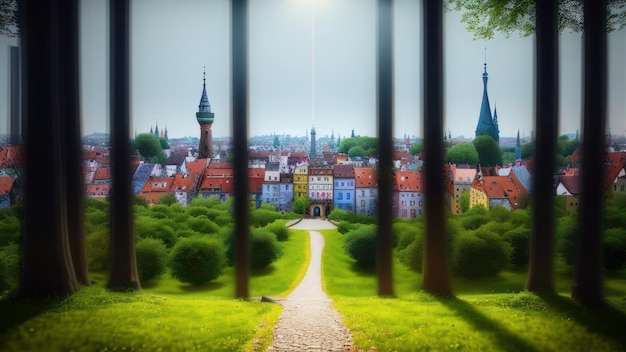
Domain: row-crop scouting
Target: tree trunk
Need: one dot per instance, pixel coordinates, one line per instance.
(122, 260)
(435, 267)
(47, 268)
(70, 113)
(587, 286)
(384, 104)
(541, 260)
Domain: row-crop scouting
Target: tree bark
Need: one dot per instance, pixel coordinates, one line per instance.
(70, 113)
(435, 267)
(384, 72)
(47, 268)
(587, 287)
(123, 273)
(541, 259)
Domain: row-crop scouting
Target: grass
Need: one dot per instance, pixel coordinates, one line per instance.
(503, 319)
(166, 315)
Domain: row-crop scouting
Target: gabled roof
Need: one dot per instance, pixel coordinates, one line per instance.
(493, 187)
(343, 171)
(98, 190)
(615, 163)
(184, 183)
(6, 183)
(102, 173)
(220, 165)
(12, 156)
(573, 184)
(256, 173)
(158, 185)
(365, 177)
(143, 171)
(197, 166)
(409, 181)
(176, 159)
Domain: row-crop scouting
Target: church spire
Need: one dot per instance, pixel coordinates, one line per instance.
(487, 125)
(204, 100)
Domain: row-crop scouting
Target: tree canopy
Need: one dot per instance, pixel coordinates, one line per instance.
(368, 146)
(148, 145)
(416, 148)
(489, 153)
(462, 153)
(485, 17)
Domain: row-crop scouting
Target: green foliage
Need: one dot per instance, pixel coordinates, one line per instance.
(479, 253)
(412, 255)
(416, 148)
(196, 260)
(368, 145)
(163, 143)
(203, 225)
(528, 150)
(10, 227)
(519, 239)
(148, 145)
(279, 229)
(10, 263)
(498, 227)
(168, 199)
(264, 248)
(360, 245)
(276, 142)
(338, 214)
(146, 226)
(405, 232)
(614, 248)
(344, 227)
(566, 234)
(485, 17)
(262, 216)
(300, 205)
(462, 153)
(151, 258)
(473, 222)
(356, 152)
(489, 153)
(97, 250)
(565, 146)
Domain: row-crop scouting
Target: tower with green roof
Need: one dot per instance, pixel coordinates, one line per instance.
(205, 119)
(487, 125)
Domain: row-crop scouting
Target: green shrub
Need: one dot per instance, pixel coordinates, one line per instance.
(360, 245)
(500, 214)
(151, 258)
(499, 228)
(168, 199)
(203, 225)
(4, 273)
(264, 248)
(405, 233)
(195, 211)
(279, 229)
(196, 260)
(338, 214)
(519, 239)
(614, 248)
(473, 222)
(262, 216)
(344, 227)
(97, 250)
(10, 228)
(566, 233)
(412, 255)
(479, 253)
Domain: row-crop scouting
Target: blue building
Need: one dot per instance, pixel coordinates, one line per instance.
(344, 187)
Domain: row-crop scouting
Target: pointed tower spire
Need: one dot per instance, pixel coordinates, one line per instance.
(486, 124)
(518, 148)
(204, 100)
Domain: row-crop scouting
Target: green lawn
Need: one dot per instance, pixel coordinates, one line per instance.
(166, 315)
(488, 314)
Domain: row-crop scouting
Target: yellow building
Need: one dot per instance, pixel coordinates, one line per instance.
(301, 181)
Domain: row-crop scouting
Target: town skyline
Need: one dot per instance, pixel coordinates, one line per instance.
(167, 65)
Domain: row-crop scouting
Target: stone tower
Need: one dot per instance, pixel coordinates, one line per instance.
(487, 125)
(205, 119)
(313, 151)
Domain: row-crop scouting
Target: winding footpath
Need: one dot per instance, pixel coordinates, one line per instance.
(308, 321)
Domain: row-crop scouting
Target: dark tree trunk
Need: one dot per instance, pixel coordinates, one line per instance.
(540, 269)
(47, 268)
(70, 113)
(435, 267)
(384, 104)
(122, 260)
(239, 76)
(587, 287)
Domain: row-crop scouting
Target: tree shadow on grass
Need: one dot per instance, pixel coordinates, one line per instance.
(503, 337)
(268, 270)
(606, 320)
(16, 311)
(363, 272)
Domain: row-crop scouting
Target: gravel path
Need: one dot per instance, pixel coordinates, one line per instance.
(308, 321)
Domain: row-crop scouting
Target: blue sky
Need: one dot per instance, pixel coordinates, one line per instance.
(330, 83)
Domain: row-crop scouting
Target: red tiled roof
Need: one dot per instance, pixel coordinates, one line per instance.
(615, 163)
(220, 165)
(196, 167)
(409, 181)
(102, 173)
(6, 183)
(492, 186)
(158, 185)
(365, 177)
(98, 190)
(572, 183)
(343, 171)
(399, 155)
(184, 183)
(12, 156)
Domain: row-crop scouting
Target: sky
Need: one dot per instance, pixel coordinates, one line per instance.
(312, 63)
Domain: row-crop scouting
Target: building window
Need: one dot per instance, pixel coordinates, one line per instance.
(339, 196)
(412, 203)
(421, 203)
(348, 196)
(403, 213)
